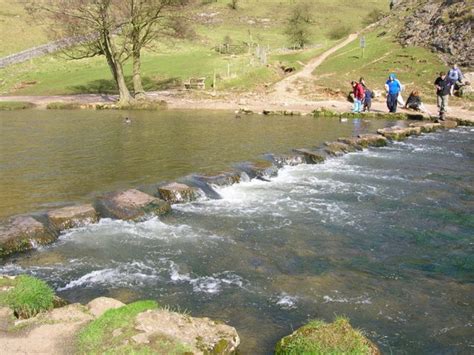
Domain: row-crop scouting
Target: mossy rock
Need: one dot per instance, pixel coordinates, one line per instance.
(318, 337)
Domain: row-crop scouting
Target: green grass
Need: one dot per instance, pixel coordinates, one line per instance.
(28, 297)
(97, 337)
(168, 65)
(15, 105)
(318, 337)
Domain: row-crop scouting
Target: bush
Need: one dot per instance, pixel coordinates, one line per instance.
(299, 24)
(339, 32)
(28, 297)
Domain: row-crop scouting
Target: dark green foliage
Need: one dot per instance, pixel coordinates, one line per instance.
(299, 24)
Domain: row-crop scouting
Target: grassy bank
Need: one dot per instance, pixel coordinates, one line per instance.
(15, 105)
(166, 65)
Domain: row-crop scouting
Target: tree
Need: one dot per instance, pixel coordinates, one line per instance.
(298, 28)
(94, 24)
(148, 21)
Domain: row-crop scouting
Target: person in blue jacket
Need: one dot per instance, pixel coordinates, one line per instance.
(393, 88)
(454, 76)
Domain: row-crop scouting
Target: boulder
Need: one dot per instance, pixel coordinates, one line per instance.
(466, 121)
(223, 179)
(318, 337)
(310, 156)
(100, 305)
(338, 148)
(131, 205)
(73, 216)
(177, 193)
(354, 142)
(394, 133)
(426, 127)
(288, 159)
(372, 140)
(23, 233)
(449, 124)
(200, 335)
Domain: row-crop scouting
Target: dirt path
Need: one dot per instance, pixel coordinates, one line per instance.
(288, 87)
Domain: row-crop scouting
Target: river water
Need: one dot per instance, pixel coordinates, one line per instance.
(384, 236)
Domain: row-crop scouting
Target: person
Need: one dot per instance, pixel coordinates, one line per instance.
(358, 91)
(368, 96)
(393, 88)
(400, 100)
(443, 88)
(454, 76)
(414, 102)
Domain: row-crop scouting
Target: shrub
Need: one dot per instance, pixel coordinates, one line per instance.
(339, 32)
(374, 16)
(298, 28)
(28, 297)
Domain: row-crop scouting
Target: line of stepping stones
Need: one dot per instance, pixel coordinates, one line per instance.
(25, 232)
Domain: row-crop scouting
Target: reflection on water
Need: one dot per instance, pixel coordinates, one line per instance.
(384, 236)
(48, 158)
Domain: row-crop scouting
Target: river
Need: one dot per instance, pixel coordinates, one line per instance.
(384, 236)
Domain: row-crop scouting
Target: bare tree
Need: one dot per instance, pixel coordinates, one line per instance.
(97, 24)
(150, 20)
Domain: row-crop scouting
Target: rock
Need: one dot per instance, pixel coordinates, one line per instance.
(449, 124)
(23, 233)
(465, 121)
(100, 305)
(201, 335)
(426, 127)
(318, 337)
(310, 156)
(262, 168)
(356, 143)
(372, 140)
(177, 193)
(131, 205)
(223, 179)
(338, 148)
(73, 216)
(393, 133)
(288, 159)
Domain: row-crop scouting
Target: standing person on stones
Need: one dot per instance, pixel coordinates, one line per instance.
(358, 91)
(443, 89)
(368, 95)
(393, 88)
(454, 76)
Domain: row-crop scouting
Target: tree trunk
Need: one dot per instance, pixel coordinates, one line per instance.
(116, 68)
(137, 77)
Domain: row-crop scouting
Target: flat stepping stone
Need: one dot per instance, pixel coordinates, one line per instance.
(177, 193)
(311, 157)
(23, 233)
(131, 205)
(73, 216)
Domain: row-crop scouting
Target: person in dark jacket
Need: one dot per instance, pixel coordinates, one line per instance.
(368, 96)
(414, 102)
(443, 89)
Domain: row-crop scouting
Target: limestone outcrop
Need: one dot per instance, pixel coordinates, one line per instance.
(131, 205)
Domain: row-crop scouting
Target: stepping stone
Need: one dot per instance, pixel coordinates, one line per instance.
(73, 216)
(177, 193)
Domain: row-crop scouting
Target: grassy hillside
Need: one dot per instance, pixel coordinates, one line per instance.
(17, 32)
(256, 21)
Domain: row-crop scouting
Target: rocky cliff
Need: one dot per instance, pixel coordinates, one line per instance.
(445, 26)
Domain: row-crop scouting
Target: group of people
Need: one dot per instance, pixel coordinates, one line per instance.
(444, 84)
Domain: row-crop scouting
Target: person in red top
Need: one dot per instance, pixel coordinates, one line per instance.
(359, 93)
